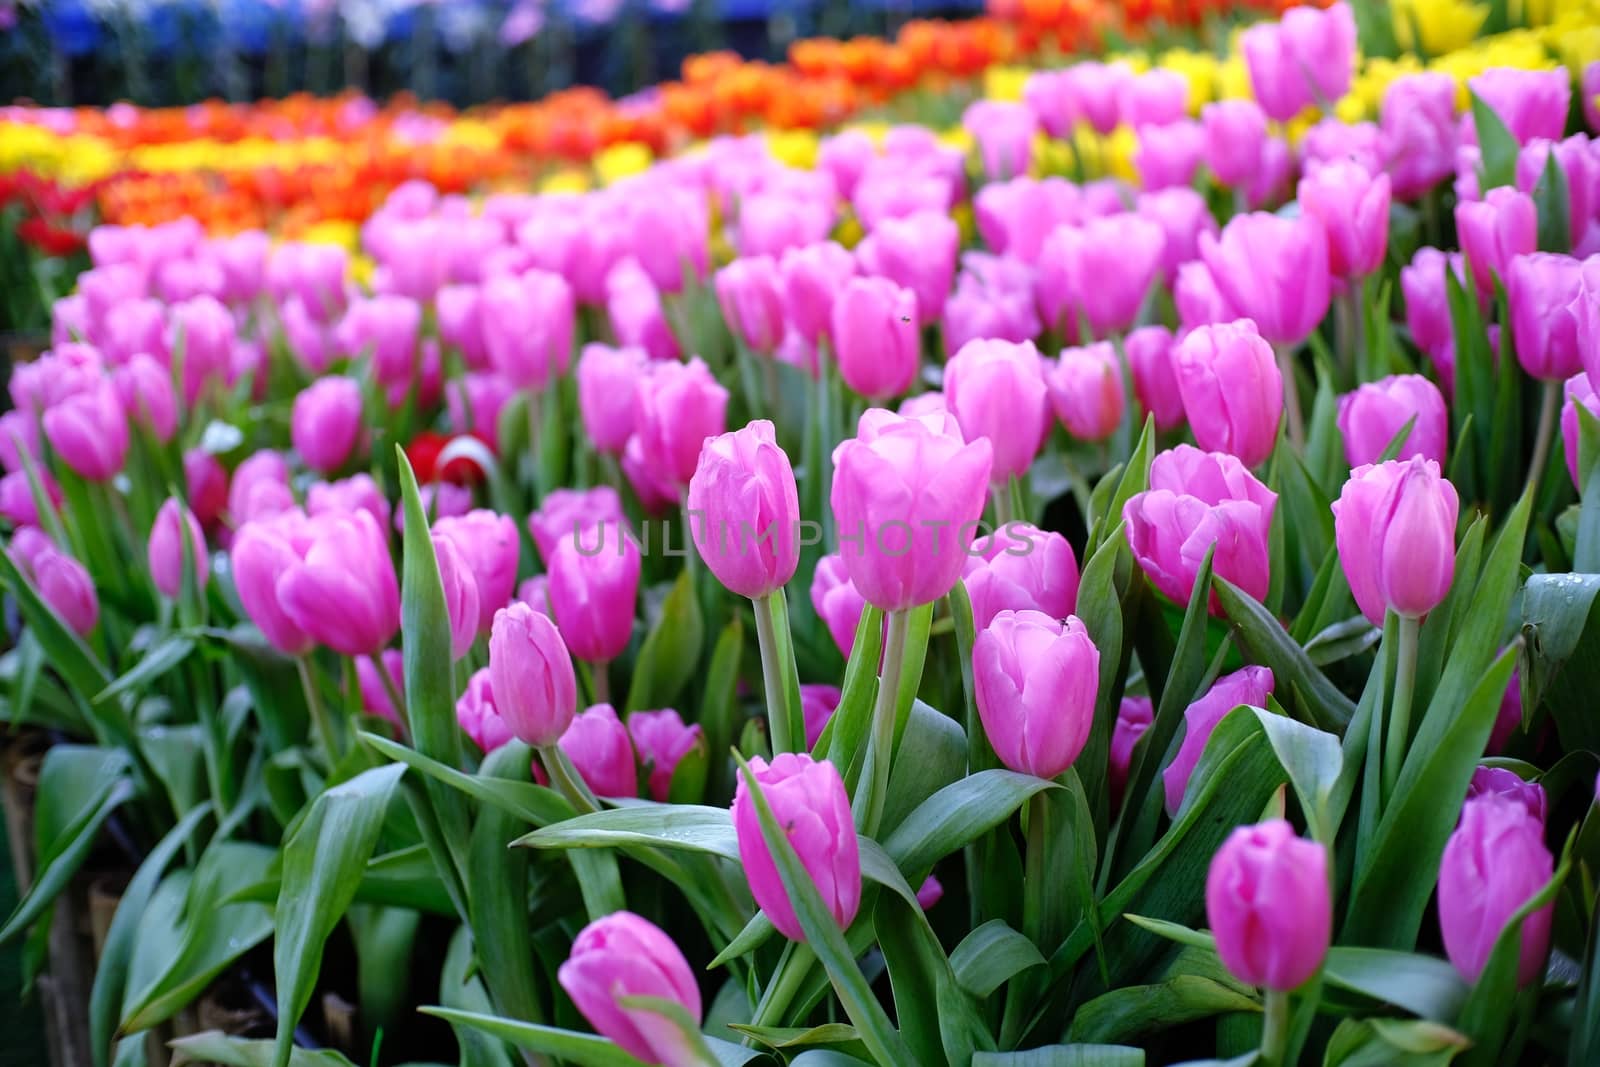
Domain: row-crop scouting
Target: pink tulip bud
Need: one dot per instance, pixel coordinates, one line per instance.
(1052, 96)
(1509, 720)
(1199, 301)
(809, 803)
(90, 433)
(1101, 271)
(1539, 290)
(527, 327)
(166, 549)
(1494, 231)
(1198, 499)
(490, 548)
(477, 715)
(1353, 209)
(1183, 216)
(996, 391)
(1270, 186)
(1086, 391)
(772, 223)
(1574, 158)
(385, 331)
(620, 956)
(1168, 155)
(1015, 217)
(1155, 381)
(597, 744)
(1427, 297)
(903, 543)
(1531, 103)
(325, 425)
(475, 401)
(355, 493)
(340, 587)
(1035, 679)
(1235, 134)
(837, 601)
(1395, 528)
(1250, 686)
(608, 394)
(1333, 141)
(818, 703)
(594, 585)
(202, 338)
(16, 497)
(1134, 716)
(1154, 98)
(564, 512)
(374, 693)
(662, 739)
(1493, 864)
(680, 405)
(633, 304)
(1577, 390)
(750, 292)
(1286, 303)
(1370, 417)
(1497, 781)
(460, 595)
(671, 234)
(875, 336)
(312, 273)
(744, 511)
(844, 156)
(145, 388)
(19, 435)
(531, 675)
(918, 253)
(61, 581)
(1418, 123)
(461, 324)
(813, 277)
(1267, 901)
(1024, 569)
(1232, 389)
(1004, 131)
(263, 551)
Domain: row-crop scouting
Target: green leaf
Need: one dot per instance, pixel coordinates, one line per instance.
(1586, 547)
(497, 897)
(1424, 985)
(670, 655)
(1313, 760)
(1134, 479)
(719, 705)
(1064, 1056)
(681, 826)
(583, 1050)
(1132, 1012)
(1101, 609)
(843, 739)
(166, 654)
(957, 815)
(791, 1037)
(1551, 199)
(531, 803)
(1584, 1046)
(992, 955)
(216, 1047)
(461, 989)
(1499, 148)
(1561, 626)
(323, 863)
(932, 755)
(1266, 642)
(1175, 932)
(1392, 1043)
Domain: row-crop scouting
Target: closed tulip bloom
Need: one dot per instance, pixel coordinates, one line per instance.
(808, 801)
(1134, 716)
(1156, 97)
(1268, 905)
(16, 497)
(489, 547)
(564, 513)
(1015, 217)
(744, 511)
(1004, 131)
(1500, 782)
(1035, 679)
(1273, 270)
(1198, 299)
(1100, 270)
(594, 586)
(876, 338)
(1494, 231)
(264, 550)
(996, 391)
(477, 715)
(608, 394)
(145, 388)
(974, 313)
(1539, 290)
(622, 955)
(1086, 391)
(325, 424)
(1250, 686)
(1531, 103)
(1353, 208)
(844, 156)
(342, 591)
(1155, 378)
(531, 675)
(1022, 568)
(460, 324)
(1232, 389)
(906, 498)
(750, 292)
(206, 332)
(633, 304)
(917, 252)
(1052, 96)
(1198, 499)
(1370, 417)
(1574, 158)
(812, 279)
(1235, 135)
(1418, 122)
(1334, 141)
(1423, 284)
(384, 330)
(460, 595)
(65, 585)
(1577, 390)
(597, 744)
(1168, 155)
(817, 704)
(374, 694)
(1183, 216)
(661, 739)
(90, 433)
(527, 327)
(475, 401)
(680, 405)
(1394, 525)
(355, 493)
(837, 601)
(166, 549)
(1493, 864)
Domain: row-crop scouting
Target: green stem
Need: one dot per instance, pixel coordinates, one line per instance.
(1274, 1027)
(1291, 398)
(602, 683)
(778, 719)
(880, 744)
(1405, 677)
(1000, 494)
(566, 780)
(1033, 887)
(319, 713)
(397, 699)
(793, 970)
(1549, 406)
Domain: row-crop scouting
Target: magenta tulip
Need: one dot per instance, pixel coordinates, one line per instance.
(750, 292)
(527, 327)
(1086, 391)
(818, 703)
(341, 591)
(202, 338)
(1371, 417)
(460, 595)
(633, 304)
(1395, 528)
(1235, 135)
(622, 955)
(1035, 680)
(1168, 155)
(61, 581)
(375, 699)
(1101, 271)
(383, 330)
(680, 406)
(918, 253)
(597, 744)
(1268, 904)
(1183, 216)
(1155, 380)
(355, 493)
(1004, 131)
(608, 394)
(326, 423)
(594, 586)
(1423, 284)
(1273, 270)
(1155, 98)
(1015, 217)
(837, 601)
(1232, 389)
(1418, 123)
(1493, 864)
(744, 511)
(1494, 231)
(564, 513)
(1198, 299)
(1577, 390)
(996, 391)
(808, 801)
(489, 547)
(477, 716)
(875, 336)
(1500, 782)
(1250, 686)
(813, 277)
(89, 432)
(1022, 568)
(1352, 207)
(661, 739)
(1134, 716)
(531, 675)
(166, 549)
(145, 388)
(1539, 290)
(1531, 103)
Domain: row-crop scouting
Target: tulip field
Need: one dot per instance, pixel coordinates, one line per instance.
(1063, 539)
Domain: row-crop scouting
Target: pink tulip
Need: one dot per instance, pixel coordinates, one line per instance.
(1493, 864)
(1134, 716)
(744, 511)
(489, 547)
(1270, 186)
(974, 313)
(527, 327)
(918, 253)
(16, 497)
(1577, 390)
(812, 278)
(1086, 391)
(1168, 155)
(622, 955)
(1183, 216)
(594, 586)
(608, 393)
(1539, 290)
(1575, 159)
(374, 694)
(1267, 901)
(144, 387)
(1155, 381)
(633, 303)
(818, 703)
(1250, 686)
(837, 601)
(876, 342)
(312, 274)
(1196, 500)
(996, 391)
(203, 331)
(1500, 782)
(901, 538)
(90, 433)
(340, 587)
(772, 223)
(61, 581)
(475, 401)
(1235, 136)
(750, 291)
(1022, 569)
(355, 493)
(263, 551)
(597, 744)
(384, 330)
(662, 740)
(326, 423)
(477, 716)
(460, 595)
(1395, 528)
(1333, 141)
(166, 549)
(680, 406)
(808, 801)
(1370, 417)
(844, 156)
(564, 513)
(1232, 389)
(1531, 103)
(461, 324)
(671, 233)
(1015, 217)
(1273, 270)
(1353, 209)
(1052, 96)
(1198, 299)
(1427, 298)
(1004, 132)
(530, 671)
(1418, 122)
(1100, 271)
(1035, 680)
(1155, 98)
(1494, 231)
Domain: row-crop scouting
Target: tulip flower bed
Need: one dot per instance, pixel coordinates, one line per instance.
(1079, 623)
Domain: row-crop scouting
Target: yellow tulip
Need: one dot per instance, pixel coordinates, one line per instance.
(621, 161)
(1438, 25)
(1004, 83)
